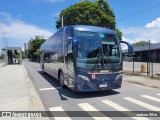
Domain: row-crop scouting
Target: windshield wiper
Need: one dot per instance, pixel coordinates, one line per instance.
(113, 68)
(111, 62)
(99, 60)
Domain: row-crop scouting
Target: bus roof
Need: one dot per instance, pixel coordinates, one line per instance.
(92, 29)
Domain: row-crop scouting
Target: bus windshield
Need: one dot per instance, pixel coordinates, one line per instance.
(97, 51)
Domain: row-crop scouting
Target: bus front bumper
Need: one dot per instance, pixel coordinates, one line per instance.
(96, 85)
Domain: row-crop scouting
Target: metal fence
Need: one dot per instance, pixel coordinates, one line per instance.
(142, 68)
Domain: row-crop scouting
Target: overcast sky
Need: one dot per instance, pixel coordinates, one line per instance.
(24, 19)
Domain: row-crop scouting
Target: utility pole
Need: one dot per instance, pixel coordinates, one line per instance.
(62, 21)
(149, 57)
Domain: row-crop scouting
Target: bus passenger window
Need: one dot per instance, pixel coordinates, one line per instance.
(69, 59)
(47, 58)
(52, 57)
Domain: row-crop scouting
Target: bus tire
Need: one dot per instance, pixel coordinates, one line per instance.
(61, 80)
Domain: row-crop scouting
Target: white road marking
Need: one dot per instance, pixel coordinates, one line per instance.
(143, 104)
(52, 88)
(56, 109)
(120, 108)
(151, 98)
(158, 94)
(88, 107)
(59, 109)
(115, 105)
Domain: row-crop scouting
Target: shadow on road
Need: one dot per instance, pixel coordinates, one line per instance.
(72, 94)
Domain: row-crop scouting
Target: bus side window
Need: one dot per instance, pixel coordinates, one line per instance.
(52, 57)
(43, 57)
(69, 56)
(47, 58)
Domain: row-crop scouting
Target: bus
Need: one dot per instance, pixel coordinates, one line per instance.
(84, 58)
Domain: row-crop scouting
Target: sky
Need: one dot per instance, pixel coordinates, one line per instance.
(22, 20)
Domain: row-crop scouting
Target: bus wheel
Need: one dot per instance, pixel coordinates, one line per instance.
(61, 80)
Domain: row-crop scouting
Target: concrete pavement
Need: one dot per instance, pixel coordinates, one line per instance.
(142, 80)
(17, 91)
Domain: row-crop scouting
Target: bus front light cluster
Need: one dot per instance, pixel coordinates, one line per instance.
(83, 77)
(118, 77)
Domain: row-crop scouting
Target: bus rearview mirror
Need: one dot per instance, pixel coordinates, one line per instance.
(130, 47)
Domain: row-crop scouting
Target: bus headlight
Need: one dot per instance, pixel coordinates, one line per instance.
(118, 77)
(83, 77)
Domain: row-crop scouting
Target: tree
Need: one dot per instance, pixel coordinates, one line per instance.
(34, 48)
(2, 56)
(89, 13)
(24, 55)
(37, 53)
(140, 43)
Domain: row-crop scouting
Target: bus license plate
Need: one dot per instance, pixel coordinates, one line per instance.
(102, 85)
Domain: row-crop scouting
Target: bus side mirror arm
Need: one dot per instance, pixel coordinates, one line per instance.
(130, 48)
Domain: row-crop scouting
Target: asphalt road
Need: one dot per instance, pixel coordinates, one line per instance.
(128, 98)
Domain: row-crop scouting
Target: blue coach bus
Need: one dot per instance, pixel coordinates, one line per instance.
(84, 58)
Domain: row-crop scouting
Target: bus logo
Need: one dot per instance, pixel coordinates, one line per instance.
(93, 76)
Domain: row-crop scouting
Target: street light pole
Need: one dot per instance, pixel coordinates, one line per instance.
(62, 21)
(3, 48)
(2, 36)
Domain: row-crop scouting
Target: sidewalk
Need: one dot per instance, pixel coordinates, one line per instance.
(17, 91)
(142, 80)
(1, 64)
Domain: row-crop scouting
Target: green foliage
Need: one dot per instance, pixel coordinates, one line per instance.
(34, 48)
(89, 13)
(2, 56)
(24, 55)
(15, 55)
(119, 33)
(37, 53)
(140, 43)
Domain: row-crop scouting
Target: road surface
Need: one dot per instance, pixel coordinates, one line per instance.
(128, 98)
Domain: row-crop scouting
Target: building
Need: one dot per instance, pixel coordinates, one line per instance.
(9, 51)
(25, 47)
(146, 53)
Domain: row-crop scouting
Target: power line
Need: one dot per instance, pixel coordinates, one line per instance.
(50, 25)
(139, 12)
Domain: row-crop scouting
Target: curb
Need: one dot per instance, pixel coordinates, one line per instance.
(34, 101)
